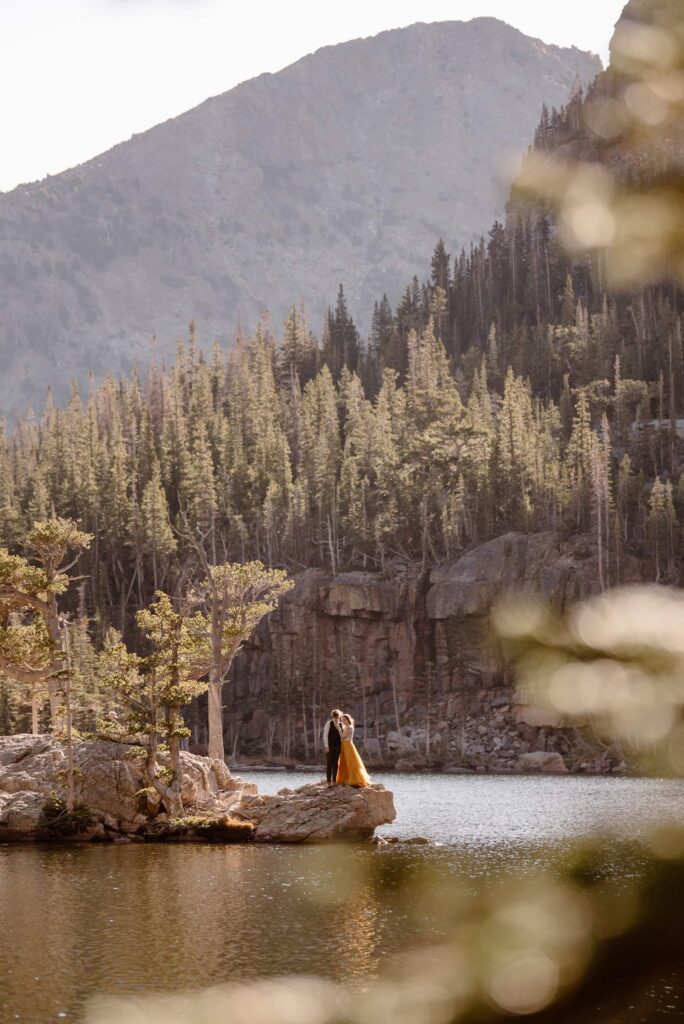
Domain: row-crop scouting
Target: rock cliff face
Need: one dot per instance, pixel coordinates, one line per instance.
(346, 166)
(411, 655)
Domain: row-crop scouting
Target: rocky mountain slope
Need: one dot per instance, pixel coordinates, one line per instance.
(346, 166)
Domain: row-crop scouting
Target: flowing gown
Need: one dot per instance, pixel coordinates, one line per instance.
(350, 770)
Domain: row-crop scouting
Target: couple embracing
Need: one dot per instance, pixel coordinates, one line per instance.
(344, 764)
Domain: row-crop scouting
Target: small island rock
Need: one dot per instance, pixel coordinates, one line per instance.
(110, 782)
(314, 813)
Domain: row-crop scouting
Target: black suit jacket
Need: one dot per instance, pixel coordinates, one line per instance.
(334, 738)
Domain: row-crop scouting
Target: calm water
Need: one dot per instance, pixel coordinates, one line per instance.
(122, 919)
(480, 810)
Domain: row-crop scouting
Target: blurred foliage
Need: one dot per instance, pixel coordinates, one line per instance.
(615, 662)
(624, 197)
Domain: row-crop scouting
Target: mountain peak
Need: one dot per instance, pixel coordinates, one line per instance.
(345, 166)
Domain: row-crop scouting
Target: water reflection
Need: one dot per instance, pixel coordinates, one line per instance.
(132, 919)
(123, 920)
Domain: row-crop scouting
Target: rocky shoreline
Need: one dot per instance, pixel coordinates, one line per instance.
(114, 803)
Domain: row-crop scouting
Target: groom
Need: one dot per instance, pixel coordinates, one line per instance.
(332, 742)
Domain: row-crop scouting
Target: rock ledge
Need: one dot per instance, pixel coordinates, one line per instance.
(314, 813)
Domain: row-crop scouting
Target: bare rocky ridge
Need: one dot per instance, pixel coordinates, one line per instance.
(365, 641)
(110, 782)
(346, 166)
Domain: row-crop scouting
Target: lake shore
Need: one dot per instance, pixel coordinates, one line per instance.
(94, 920)
(109, 795)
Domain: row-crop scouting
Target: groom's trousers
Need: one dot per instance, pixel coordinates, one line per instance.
(332, 757)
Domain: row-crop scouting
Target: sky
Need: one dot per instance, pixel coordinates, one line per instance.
(78, 76)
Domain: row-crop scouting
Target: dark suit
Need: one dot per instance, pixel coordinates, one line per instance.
(333, 755)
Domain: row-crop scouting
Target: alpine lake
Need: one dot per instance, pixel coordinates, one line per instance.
(103, 921)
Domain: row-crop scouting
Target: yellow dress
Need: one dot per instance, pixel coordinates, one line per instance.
(350, 768)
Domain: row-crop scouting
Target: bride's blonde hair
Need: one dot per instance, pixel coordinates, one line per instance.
(348, 718)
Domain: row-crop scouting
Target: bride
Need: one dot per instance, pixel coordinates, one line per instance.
(350, 770)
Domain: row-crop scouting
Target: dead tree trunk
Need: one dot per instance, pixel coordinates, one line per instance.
(70, 800)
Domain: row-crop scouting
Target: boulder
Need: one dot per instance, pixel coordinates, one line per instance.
(316, 813)
(542, 761)
(21, 816)
(537, 716)
(15, 748)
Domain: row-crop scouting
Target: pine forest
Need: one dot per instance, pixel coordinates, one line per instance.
(513, 389)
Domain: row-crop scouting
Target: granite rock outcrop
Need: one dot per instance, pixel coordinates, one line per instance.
(109, 782)
(314, 813)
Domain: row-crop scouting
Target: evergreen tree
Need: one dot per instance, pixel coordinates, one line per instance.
(440, 276)
(661, 527)
(341, 342)
(155, 688)
(31, 650)
(155, 539)
(579, 460)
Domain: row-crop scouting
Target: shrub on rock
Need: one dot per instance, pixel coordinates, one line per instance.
(61, 823)
(202, 828)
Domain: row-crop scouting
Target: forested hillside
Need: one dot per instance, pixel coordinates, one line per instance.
(511, 389)
(305, 454)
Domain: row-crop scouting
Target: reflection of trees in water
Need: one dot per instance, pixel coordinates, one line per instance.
(47, 936)
(191, 919)
(358, 936)
(92, 917)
